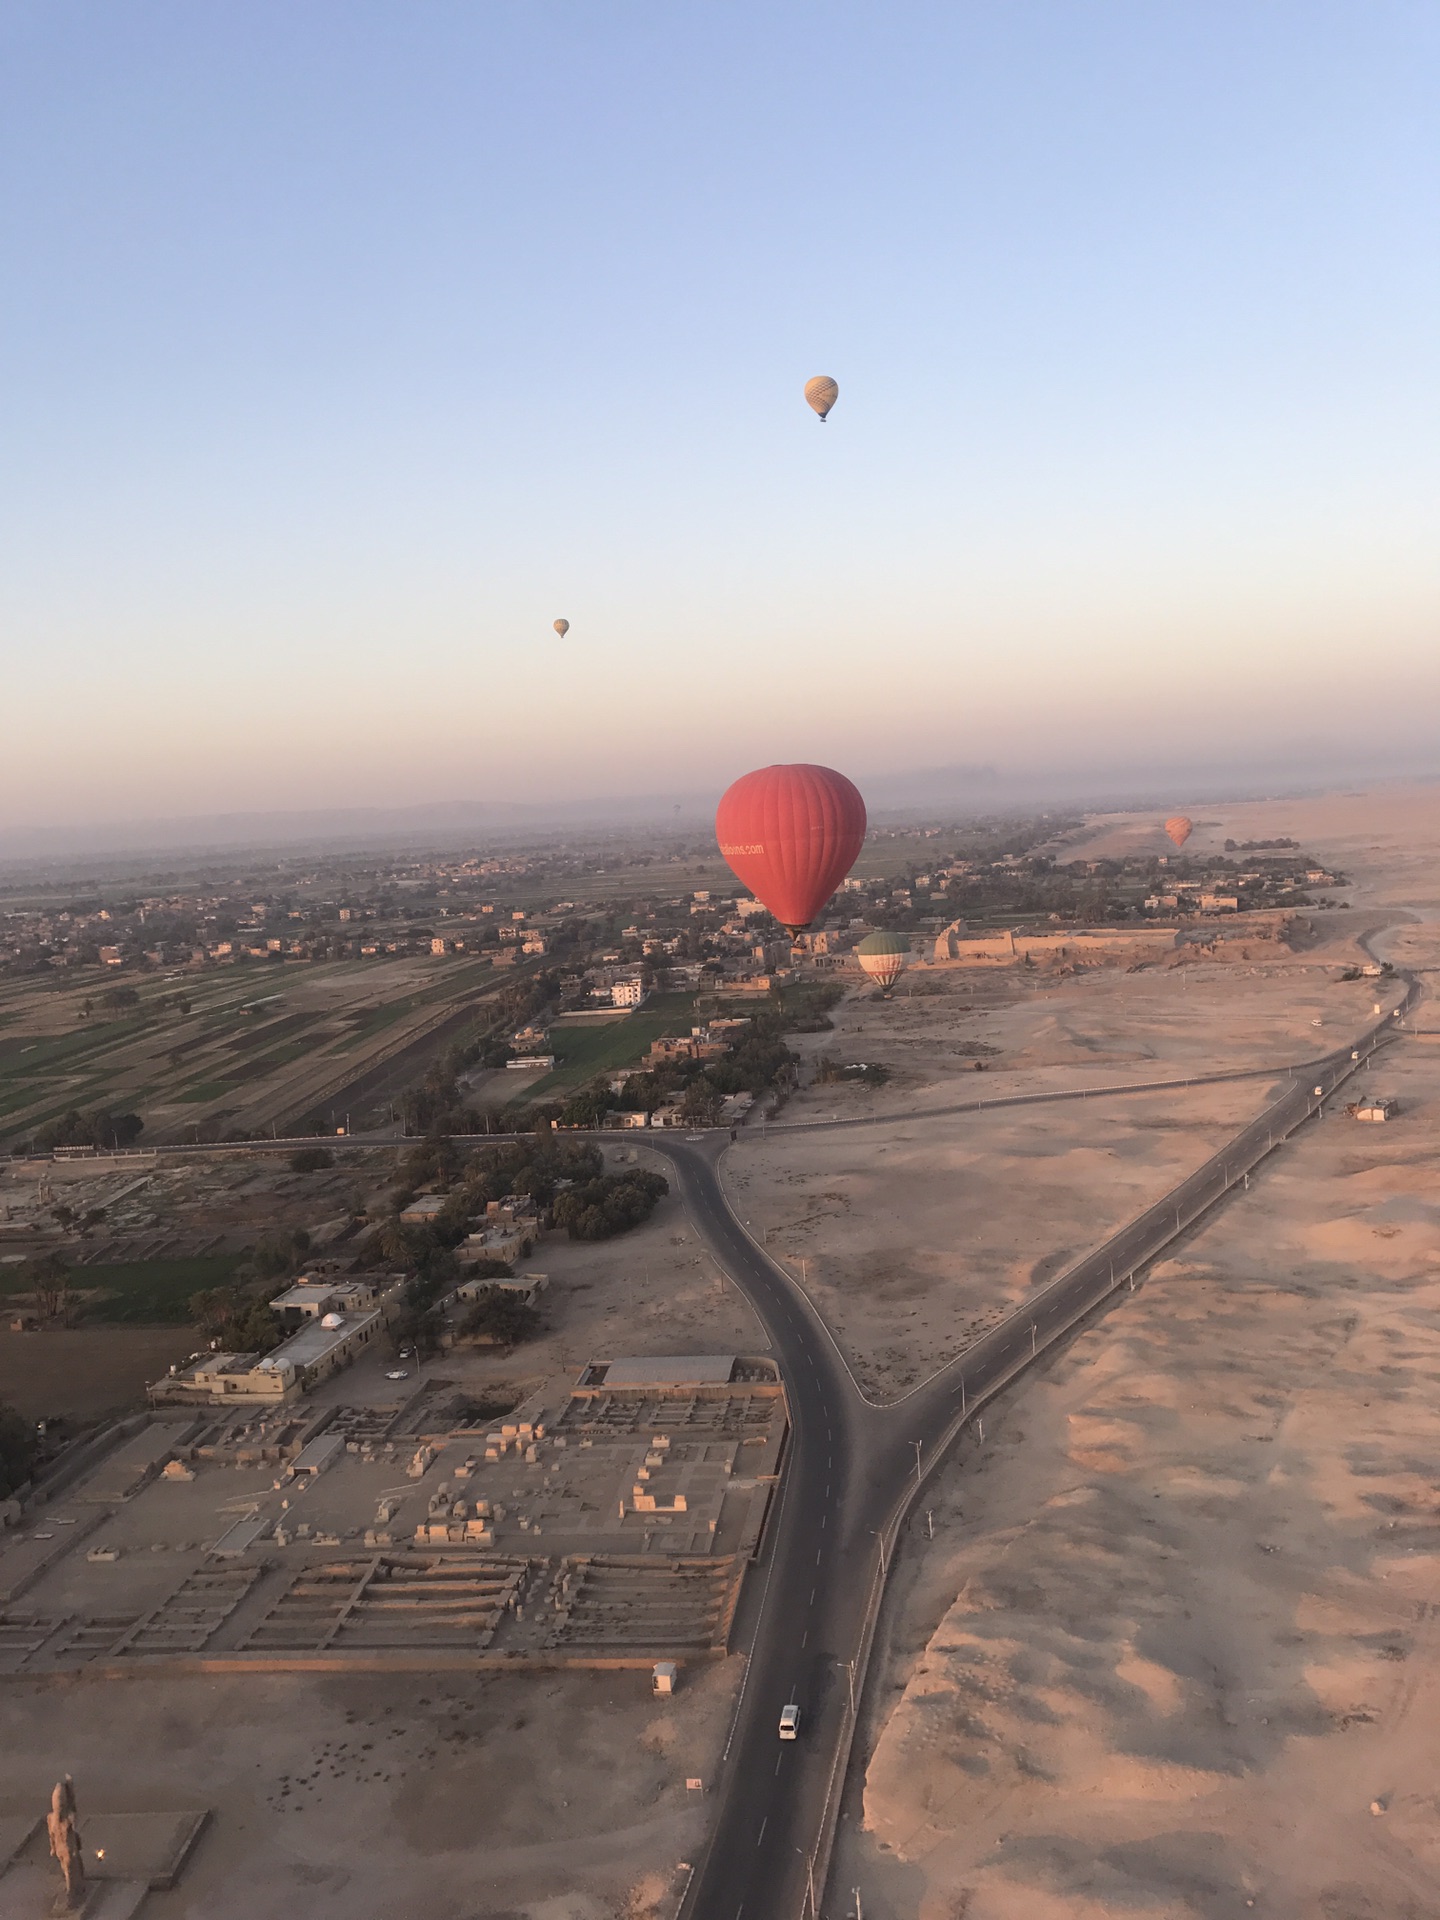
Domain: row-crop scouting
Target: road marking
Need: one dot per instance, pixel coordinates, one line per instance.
(777, 1763)
(763, 1824)
(805, 1636)
(813, 1592)
(822, 1517)
(817, 1556)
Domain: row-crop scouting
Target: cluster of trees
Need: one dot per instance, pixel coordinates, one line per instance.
(19, 1445)
(121, 1000)
(539, 1167)
(238, 1315)
(536, 1165)
(497, 1317)
(238, 1318)
(433, 1105)
(311, 1159)
(102, 1128)
(612, 1204)
(417, 1322)
(46, 1278)
(276, 1255)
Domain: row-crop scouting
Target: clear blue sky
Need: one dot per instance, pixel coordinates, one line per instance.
(344, 347)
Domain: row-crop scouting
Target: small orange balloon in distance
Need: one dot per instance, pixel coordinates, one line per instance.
(1179, 828)
(822, 393)
(562, 627)
(791, 834)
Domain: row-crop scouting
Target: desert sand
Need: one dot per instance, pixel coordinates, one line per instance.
(913, 1238)
(1170, 1651)
(562, 1796)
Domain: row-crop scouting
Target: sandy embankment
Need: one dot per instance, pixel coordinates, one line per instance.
(1176, 1631)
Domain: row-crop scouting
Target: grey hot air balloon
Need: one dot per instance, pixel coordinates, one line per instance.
(822, 393)
(562, 627)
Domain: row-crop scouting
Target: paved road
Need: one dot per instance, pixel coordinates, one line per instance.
(851, 1475)
(852, 1471)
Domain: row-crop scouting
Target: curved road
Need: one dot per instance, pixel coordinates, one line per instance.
(853, 1470)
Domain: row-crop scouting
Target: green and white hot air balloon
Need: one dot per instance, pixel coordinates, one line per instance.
(882, 956)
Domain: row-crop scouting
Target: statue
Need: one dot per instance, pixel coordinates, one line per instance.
(65, 1841)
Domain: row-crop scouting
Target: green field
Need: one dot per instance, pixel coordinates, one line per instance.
(583, 1052)
(153, 1292)
(141, 1292)
(239, 1044)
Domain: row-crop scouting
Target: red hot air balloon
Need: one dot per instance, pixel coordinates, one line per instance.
(1179, 829)
(791, 835)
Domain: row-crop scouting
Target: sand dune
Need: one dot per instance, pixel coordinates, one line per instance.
(1178, 1628)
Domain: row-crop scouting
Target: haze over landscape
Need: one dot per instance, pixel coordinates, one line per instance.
(345, 352)
(719, 901)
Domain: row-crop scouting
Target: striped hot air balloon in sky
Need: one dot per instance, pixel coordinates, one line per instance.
(883, 957)
(822, 393)
(1179, 828)
(791, 834)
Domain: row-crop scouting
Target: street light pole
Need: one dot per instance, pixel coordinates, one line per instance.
(917, 1444)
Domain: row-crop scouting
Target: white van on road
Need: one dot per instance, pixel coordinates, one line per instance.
(790, 1722)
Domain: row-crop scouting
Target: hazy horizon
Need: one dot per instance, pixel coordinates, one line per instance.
(917, 795)
(347, 349)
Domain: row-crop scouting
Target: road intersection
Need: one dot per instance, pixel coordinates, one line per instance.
(854, 1467)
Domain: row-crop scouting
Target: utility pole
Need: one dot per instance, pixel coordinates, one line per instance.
(930, 1522)
(810, 1882)
(1033, 1348)
(850, 1676)
(917, 1444)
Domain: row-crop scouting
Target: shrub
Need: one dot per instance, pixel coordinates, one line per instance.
(311, 1160)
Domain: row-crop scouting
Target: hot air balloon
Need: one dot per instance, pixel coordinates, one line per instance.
(822, 393)
(791, 834)
(1179, 828)
(562, 627)
(883, 956)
